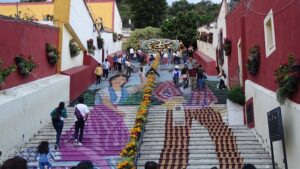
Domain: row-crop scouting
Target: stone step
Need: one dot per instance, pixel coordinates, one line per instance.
(203, 151)
(209, 155)
(197, 161)
(71, 124)
(204, 147)
(50, 130)
(158, 127)
(195, 135)
(159, 139)
(200, 143)
(150, 131)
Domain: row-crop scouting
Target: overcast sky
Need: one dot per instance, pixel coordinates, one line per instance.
(193, 1)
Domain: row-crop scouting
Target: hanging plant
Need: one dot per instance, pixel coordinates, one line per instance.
(25, 66)
(227, 46)
(74, 48)
(253, 60)
(51, 53)
(286, 78)
(115, 37)
(203, 36)
(210, 37)
(120, 37)
(5, 72)
(100, 42)
(91, 47)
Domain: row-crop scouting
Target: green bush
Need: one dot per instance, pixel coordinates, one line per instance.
(236, 95)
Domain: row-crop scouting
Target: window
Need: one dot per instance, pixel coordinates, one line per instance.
(270, 44)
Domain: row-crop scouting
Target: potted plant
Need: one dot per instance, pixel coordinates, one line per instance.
(115, 37)
(210, 37)
(203, 36)
(51, 53)
(100, 42)
(227, 46)
(5, 72)
(91, 47)
(74, 48)
(253, 60)
(25, 66)
(120, 36)
(236, 95)
(286, 79)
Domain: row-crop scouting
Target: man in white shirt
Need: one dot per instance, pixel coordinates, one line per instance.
(106, 67)
(81, 112)
(131, 52)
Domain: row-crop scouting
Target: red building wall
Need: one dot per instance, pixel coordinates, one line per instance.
(248, 24)
(81, 77)
(27, 38)
(206, 62)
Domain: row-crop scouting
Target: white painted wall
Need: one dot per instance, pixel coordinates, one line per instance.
(221, 24)
(290, 112)
(25, 109)
(83, 27)
(80, 21)
(67, 61)
(208, 49)
(110, 46)
(117, 21)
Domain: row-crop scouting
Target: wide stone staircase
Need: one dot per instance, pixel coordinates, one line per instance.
(199, 138)
(188, 130)
(105, 134)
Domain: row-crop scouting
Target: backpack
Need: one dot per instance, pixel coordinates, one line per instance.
(223, 74)
(78, 115)
(56, 117)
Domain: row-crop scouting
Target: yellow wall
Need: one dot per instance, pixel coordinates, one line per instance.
(103, 10)
(37, 10)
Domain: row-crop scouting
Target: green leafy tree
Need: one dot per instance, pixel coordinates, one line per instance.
(182, 27)
(181, 5)
(147, 12)
(184, 19)
(138, 35)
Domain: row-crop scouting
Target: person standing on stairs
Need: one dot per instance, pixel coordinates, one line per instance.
(57, 115)
(176, 74)
(184, 76)
(99, 73)
(81, 113)
(106, 67)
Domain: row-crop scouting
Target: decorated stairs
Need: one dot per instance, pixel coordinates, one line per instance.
(105, 134)
(198, 138)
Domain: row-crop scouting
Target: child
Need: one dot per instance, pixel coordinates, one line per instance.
(43, 150)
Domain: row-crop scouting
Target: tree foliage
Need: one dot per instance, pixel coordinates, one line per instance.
(184, 19)
(181, 5)
(182, 27)
(147, 12)
(137, 35)
(125, 12)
